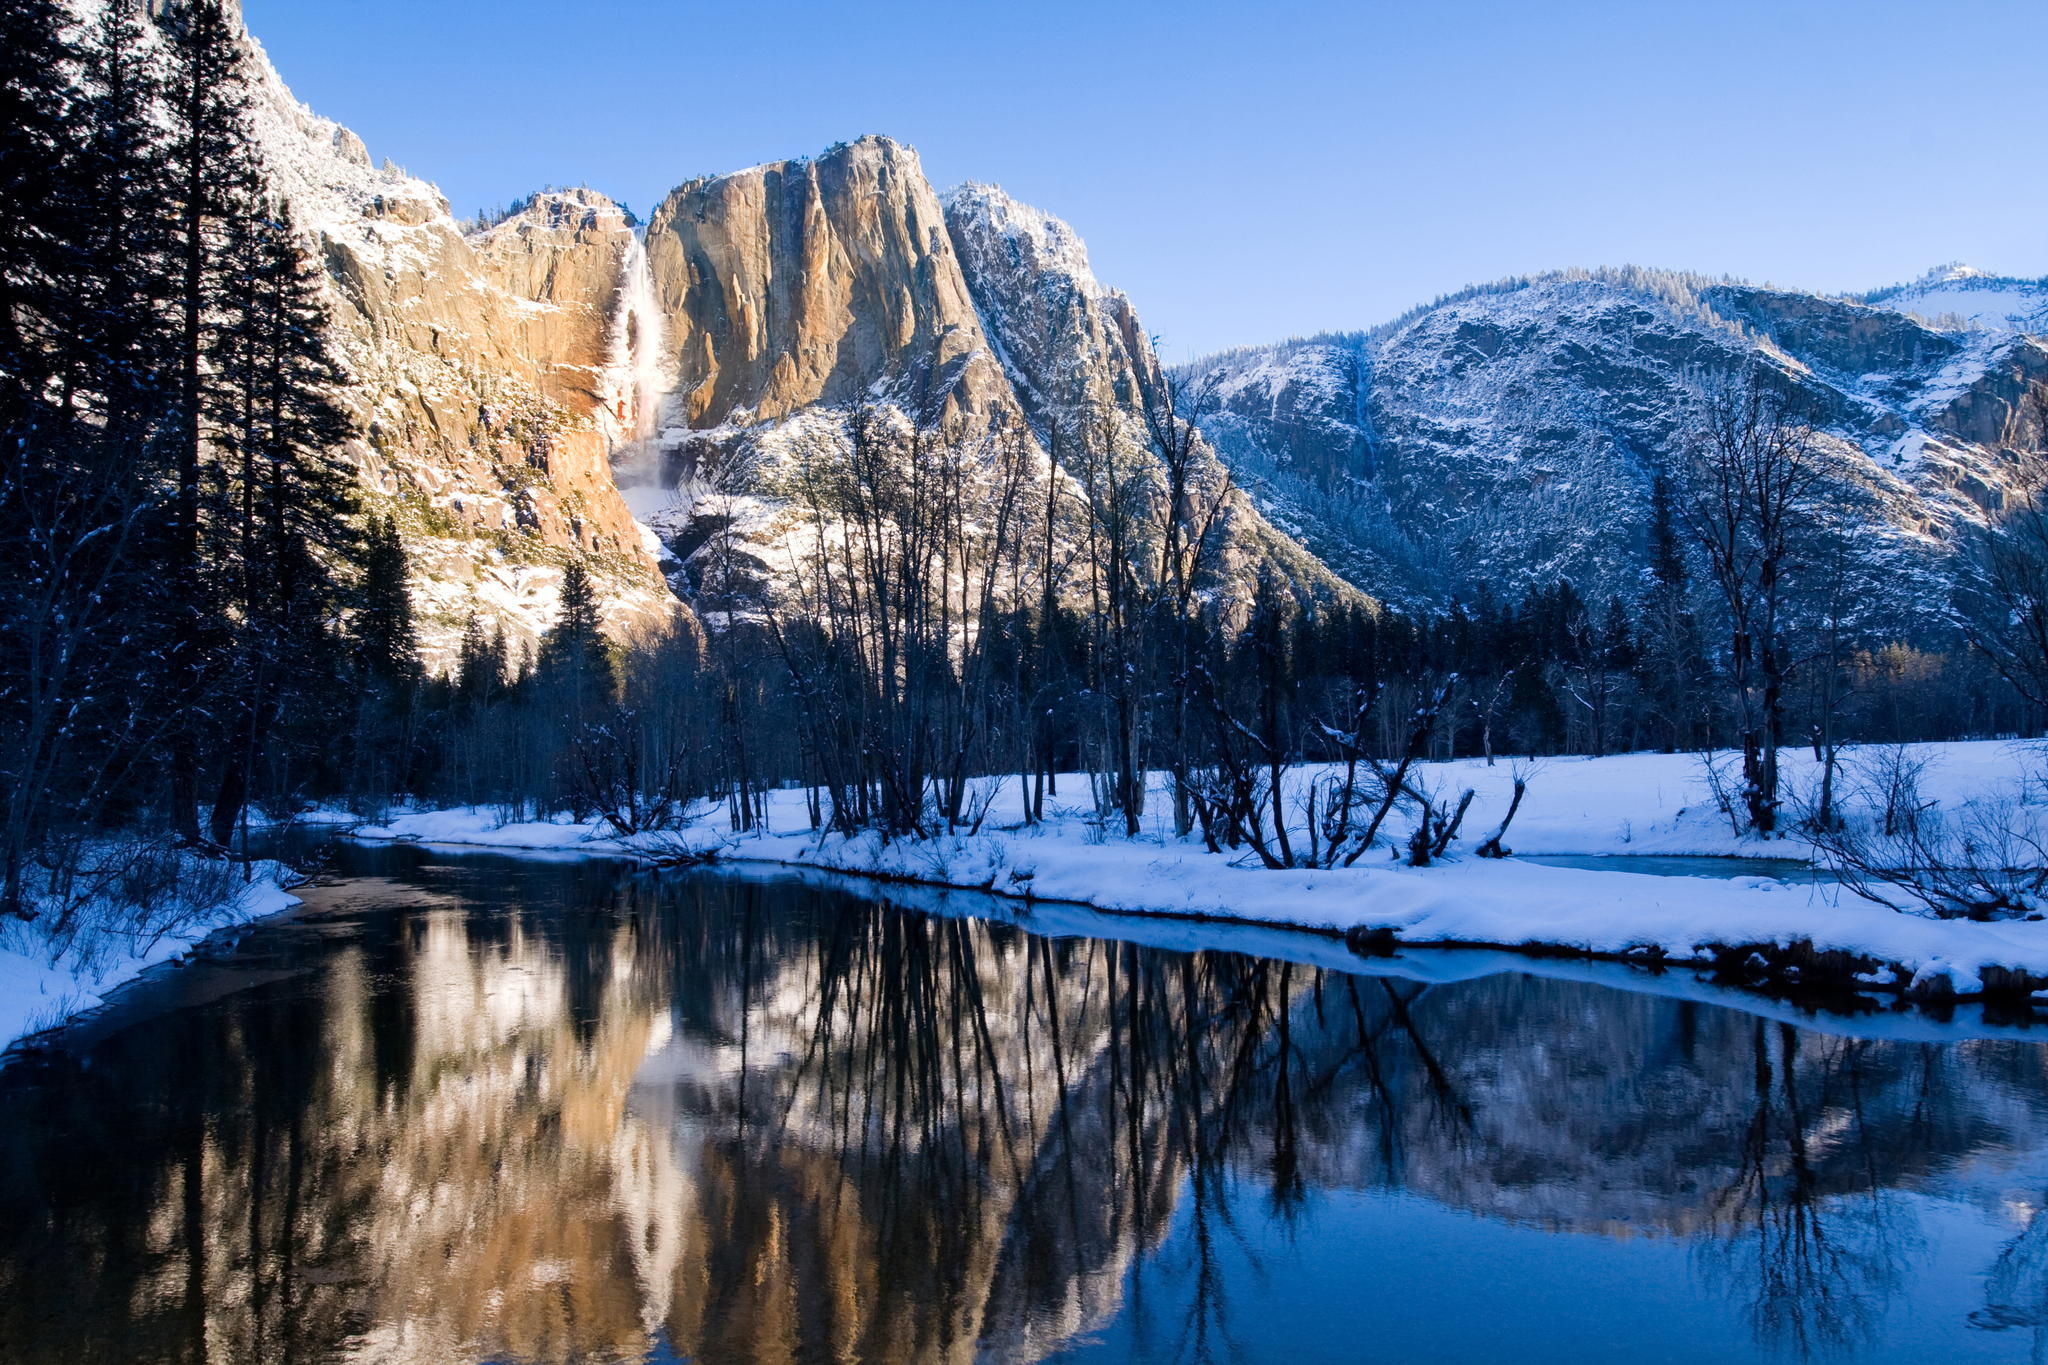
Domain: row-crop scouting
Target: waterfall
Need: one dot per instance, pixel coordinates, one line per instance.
(637, 373)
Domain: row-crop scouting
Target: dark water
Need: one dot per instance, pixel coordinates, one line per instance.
(477, 1109)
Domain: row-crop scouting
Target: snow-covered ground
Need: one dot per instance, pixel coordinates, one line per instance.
(1627, 805)
(44, 983)
(1656, 805)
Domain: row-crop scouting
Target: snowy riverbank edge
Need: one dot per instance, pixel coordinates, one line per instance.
(1770, 929)
(37, 994)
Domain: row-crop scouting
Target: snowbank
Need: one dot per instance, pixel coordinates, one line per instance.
(1632, 804)
(41, 987)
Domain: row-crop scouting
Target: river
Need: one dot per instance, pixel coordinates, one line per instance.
(477, 1108)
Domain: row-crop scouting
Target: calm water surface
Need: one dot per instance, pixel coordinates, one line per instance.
(1679, 865)
(479, 1109)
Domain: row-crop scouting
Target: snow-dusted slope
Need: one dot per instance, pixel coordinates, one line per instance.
(481, 372)
(1511, 434)
(1957, 294)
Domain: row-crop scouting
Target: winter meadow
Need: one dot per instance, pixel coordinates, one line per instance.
(780, 779)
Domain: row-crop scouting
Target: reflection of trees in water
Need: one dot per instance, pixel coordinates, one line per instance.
(410, 1153)
(1804, 1228)
(763, 1122)
(2016, 1290)
(1013, 1117)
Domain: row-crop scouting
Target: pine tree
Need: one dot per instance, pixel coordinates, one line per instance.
(281, 534)
(386, 641)
(209, 159)
(81, 341)
(133, 346)
(1668, 639)
(1538, 719)
(481, 663)
(42, 232)
(41, 266)
(575, 660)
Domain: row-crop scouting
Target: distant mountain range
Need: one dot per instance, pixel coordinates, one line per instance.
(1509, 434)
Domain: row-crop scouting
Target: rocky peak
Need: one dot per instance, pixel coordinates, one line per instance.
(1959, 297)
(1954, 270)
(574, 210)
(1010, 236)
(1069, 345)
(792, 291)
(813, 281)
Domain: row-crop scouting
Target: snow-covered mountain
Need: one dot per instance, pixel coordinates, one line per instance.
(559, 386)
(1510, 433)
(1958, 296)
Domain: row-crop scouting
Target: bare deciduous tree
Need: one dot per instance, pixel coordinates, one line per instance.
(1750, 466)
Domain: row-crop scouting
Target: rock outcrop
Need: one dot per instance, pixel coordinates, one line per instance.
(829, 281)
(482, 368)
(794, 291)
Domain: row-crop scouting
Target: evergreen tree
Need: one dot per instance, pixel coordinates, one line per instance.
(287, 536)
(1538, 725)
(481, 667)
(209, 160)
(386, 640)
(385, 649)
(1668, 646)
(41, 269)
(43, 234)
(575, 660)
(80, 342)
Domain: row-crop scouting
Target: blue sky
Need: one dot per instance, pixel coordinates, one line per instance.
(1250, 171)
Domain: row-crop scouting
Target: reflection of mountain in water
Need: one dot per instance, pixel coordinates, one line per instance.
(760, 1121)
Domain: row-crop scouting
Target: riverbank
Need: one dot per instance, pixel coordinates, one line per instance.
(1772, 931)
(46, 979)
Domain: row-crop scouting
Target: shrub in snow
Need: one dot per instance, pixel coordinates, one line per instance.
(1984, 858)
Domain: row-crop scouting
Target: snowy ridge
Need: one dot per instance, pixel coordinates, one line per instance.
(1970, 297)
(1511, 433)
(1038, 242)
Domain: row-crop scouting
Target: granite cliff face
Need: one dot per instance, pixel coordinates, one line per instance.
(818, 282)
(482, 374)
(482, 371)
(510, 378)
(795, 291)
(1511, 434)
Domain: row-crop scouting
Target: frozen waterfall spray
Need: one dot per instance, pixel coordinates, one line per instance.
(637, 375)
